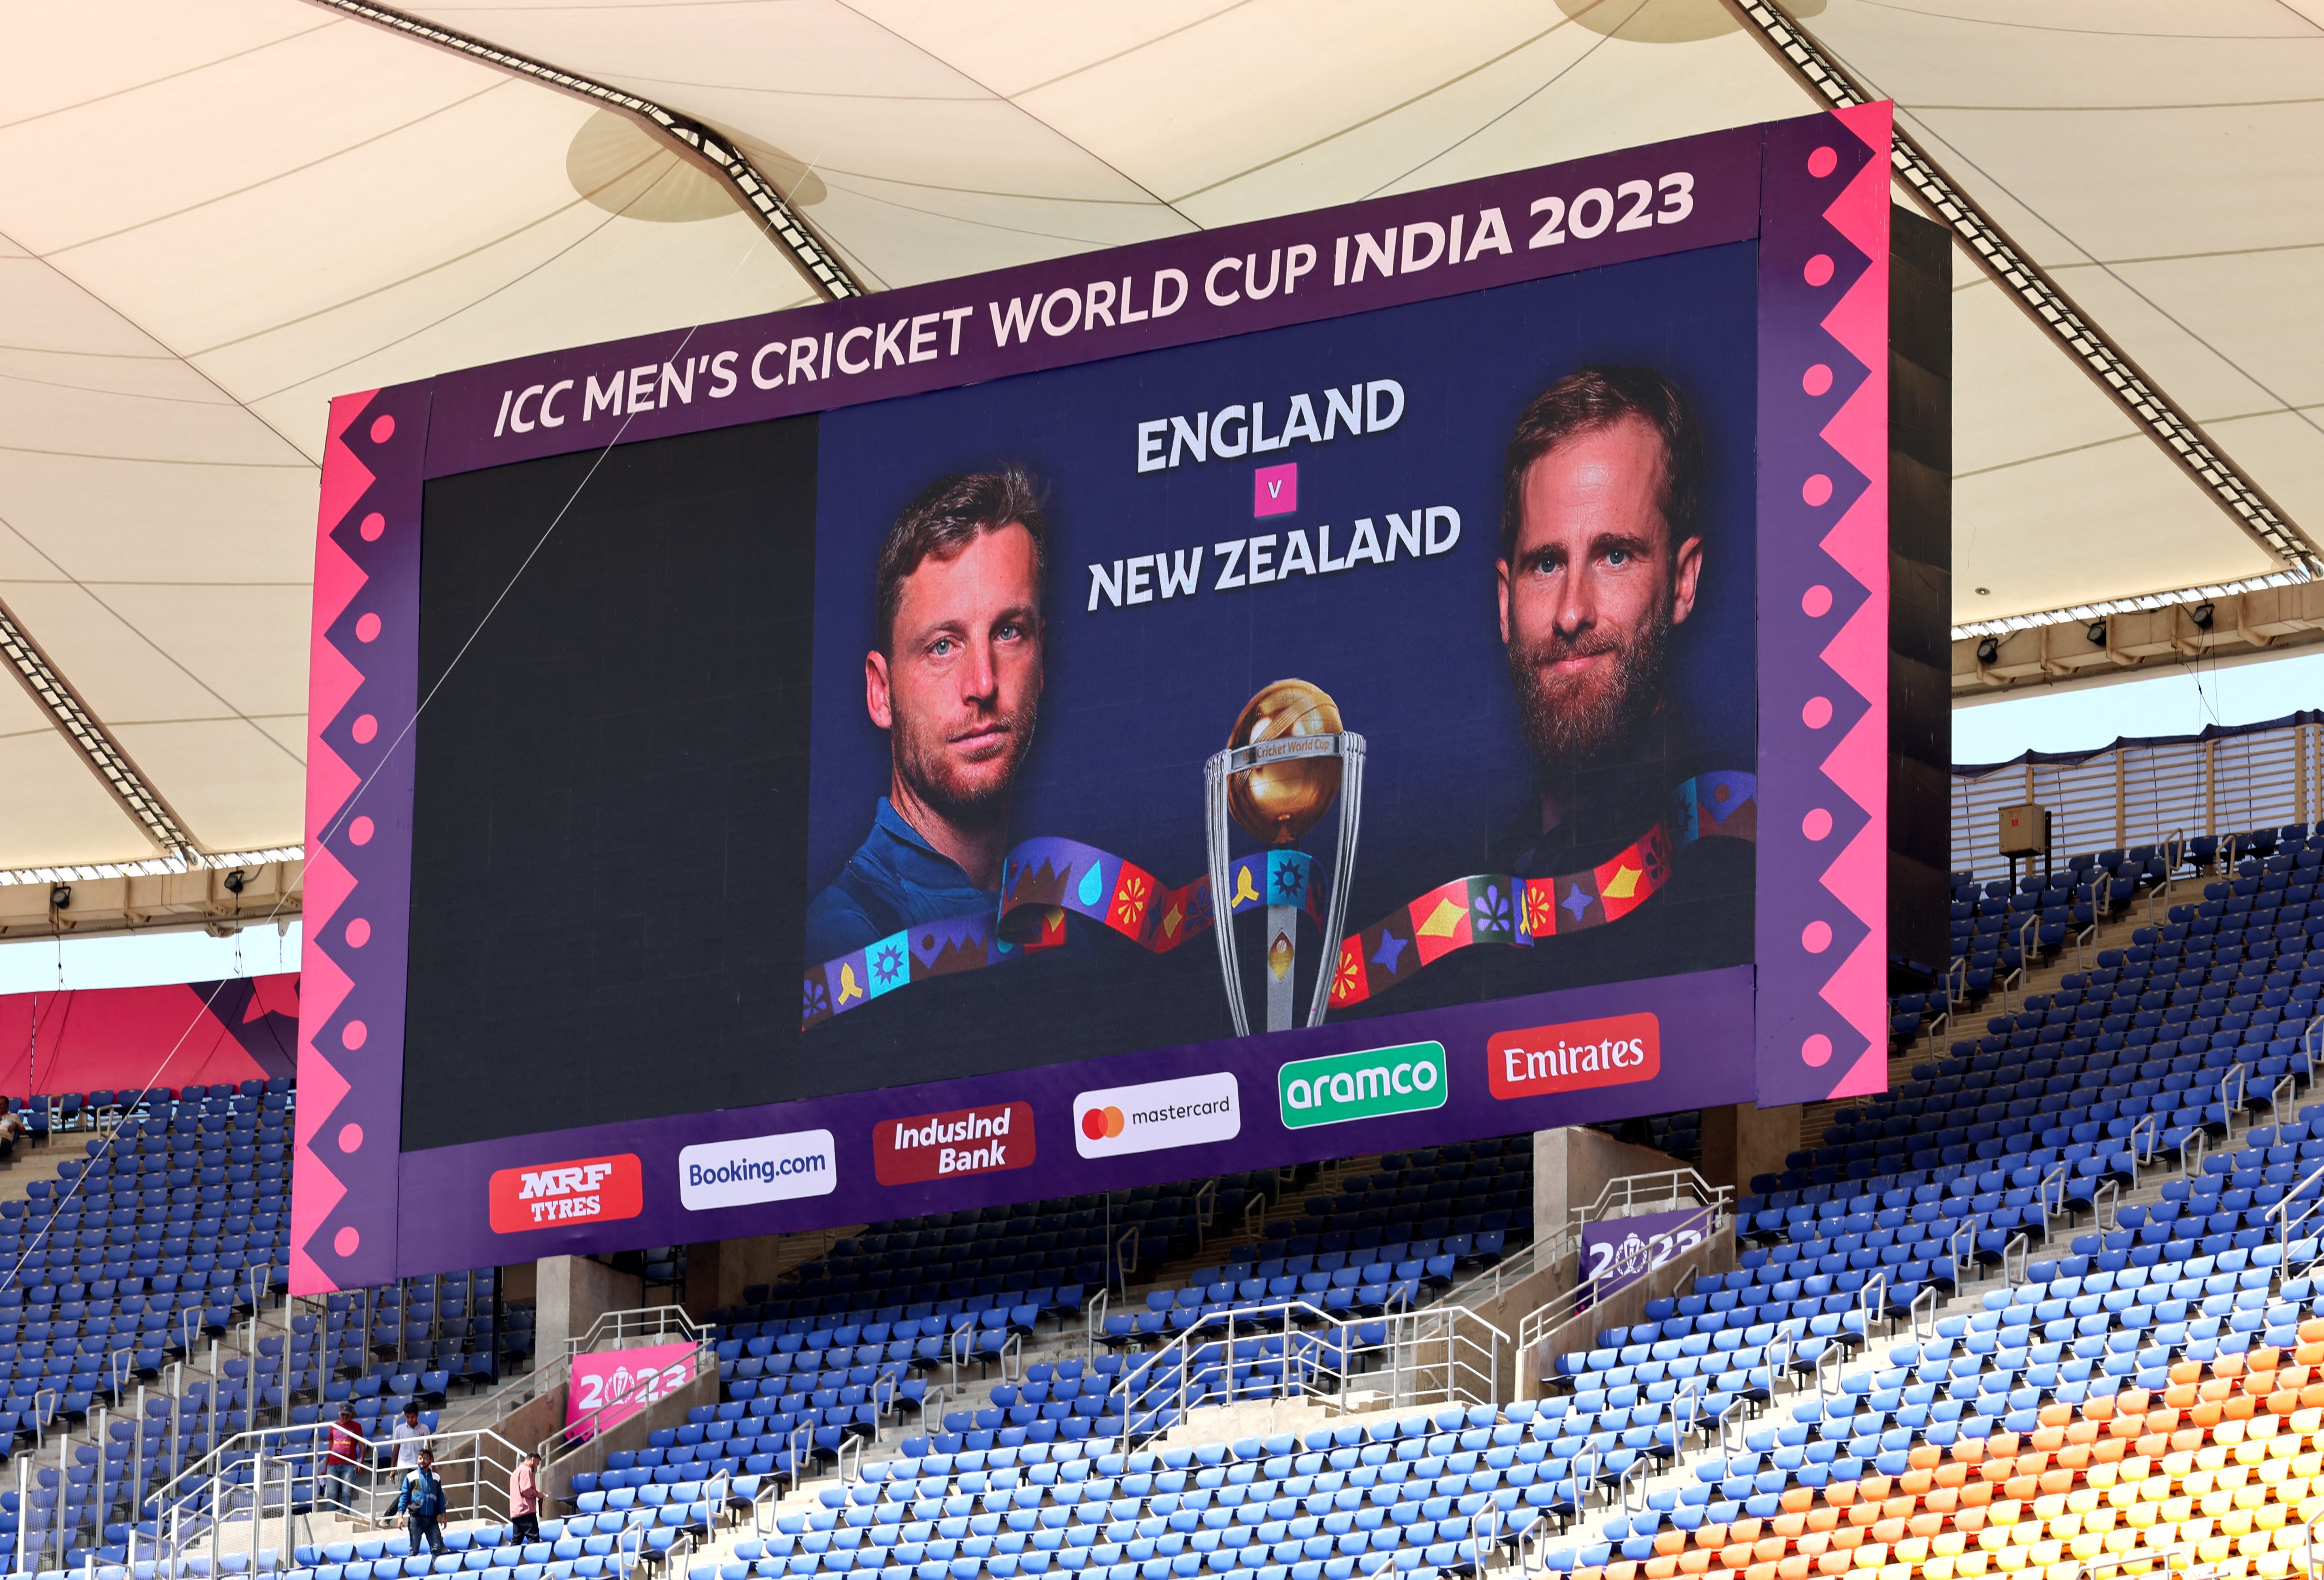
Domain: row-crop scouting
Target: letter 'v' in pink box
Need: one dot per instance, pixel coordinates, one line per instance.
(1275, 490)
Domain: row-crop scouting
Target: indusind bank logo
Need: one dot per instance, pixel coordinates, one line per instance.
(942, 1146)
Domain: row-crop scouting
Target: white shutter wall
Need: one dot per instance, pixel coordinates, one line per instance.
(2132, 796)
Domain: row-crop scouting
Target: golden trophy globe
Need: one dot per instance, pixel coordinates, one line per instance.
(1278, 801)
(1288, 759)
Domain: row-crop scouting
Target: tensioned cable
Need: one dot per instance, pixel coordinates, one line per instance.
(1554, 78)
(346, 810)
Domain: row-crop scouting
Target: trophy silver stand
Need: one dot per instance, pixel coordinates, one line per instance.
(1313, 793)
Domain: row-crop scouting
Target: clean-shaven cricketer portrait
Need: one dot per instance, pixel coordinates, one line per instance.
(955, 681)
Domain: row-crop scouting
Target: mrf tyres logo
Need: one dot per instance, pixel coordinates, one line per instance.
(1365, 1084)
(1537, 1060)
(585, 1190)
(945, 1146)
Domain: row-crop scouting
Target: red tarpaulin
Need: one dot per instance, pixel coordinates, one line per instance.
(115, 1039)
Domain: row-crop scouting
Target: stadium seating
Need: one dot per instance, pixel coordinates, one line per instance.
(163, 1240)
(2212, 1459)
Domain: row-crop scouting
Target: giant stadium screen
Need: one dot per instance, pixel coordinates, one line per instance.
(1404, 672)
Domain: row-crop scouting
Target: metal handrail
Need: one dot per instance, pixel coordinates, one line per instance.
(1546, 1322)
(621, 1329)
(2234, 1076)
(1928, 1298)
(2287, 1085)
(1489, 1283)
(2145, 1137)
(1871, 1301)
(2021, 1246)
(1121, 1258)
(1630, 1190)
(2052, 1204)
(960, 1344)
(210, 1481)
(1636, 1471)
(1318, 1353)
(701, 1360)
(2106, 1205)
(1094, 1310)
(2281, 1212)
(2173, 845)
(2192, 1153)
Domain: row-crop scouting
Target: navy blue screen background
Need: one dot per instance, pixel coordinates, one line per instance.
(1137, 697)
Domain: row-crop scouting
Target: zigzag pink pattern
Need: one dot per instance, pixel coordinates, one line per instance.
(331, 679)
(1859, 543)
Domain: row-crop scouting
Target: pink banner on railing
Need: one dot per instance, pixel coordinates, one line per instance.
(610, 1386)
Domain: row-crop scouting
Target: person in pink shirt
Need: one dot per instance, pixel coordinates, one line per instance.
(524, 1499)
(348, 1446)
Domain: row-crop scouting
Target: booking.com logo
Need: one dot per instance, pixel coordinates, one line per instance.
(751, 1169)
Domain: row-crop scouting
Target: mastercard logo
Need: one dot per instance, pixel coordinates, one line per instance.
(1151, 1116)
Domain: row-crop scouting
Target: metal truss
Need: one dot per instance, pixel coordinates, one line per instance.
(2083, 613)
(2039, 296)
(694, 142)
(95, 745)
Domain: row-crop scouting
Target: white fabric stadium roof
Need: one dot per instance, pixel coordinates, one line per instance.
(214, 216)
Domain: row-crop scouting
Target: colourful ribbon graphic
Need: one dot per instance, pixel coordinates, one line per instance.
(1040, 882)
(1044, 879)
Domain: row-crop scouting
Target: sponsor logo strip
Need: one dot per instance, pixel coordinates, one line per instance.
(1403, 1079)
(757, 1169)
(585, 1190)
(944, 1146)
(1147, 1118)
(1537, 1060)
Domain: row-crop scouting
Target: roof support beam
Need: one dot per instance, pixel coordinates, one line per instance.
(690, 140)
(2039, 296)
(91, 740)
(2214, 627)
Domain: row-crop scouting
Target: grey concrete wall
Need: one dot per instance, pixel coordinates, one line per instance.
(718, 1271)
(536, 1418)
(572, 1292)
(1741, 1140)
(1571, 1166)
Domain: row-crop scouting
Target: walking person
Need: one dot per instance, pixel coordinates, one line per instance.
(347, 1450)
(419, 1498)
(408, 1437)
(524, 1501)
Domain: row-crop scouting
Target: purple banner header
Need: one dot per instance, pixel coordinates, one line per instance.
(1610, 209)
